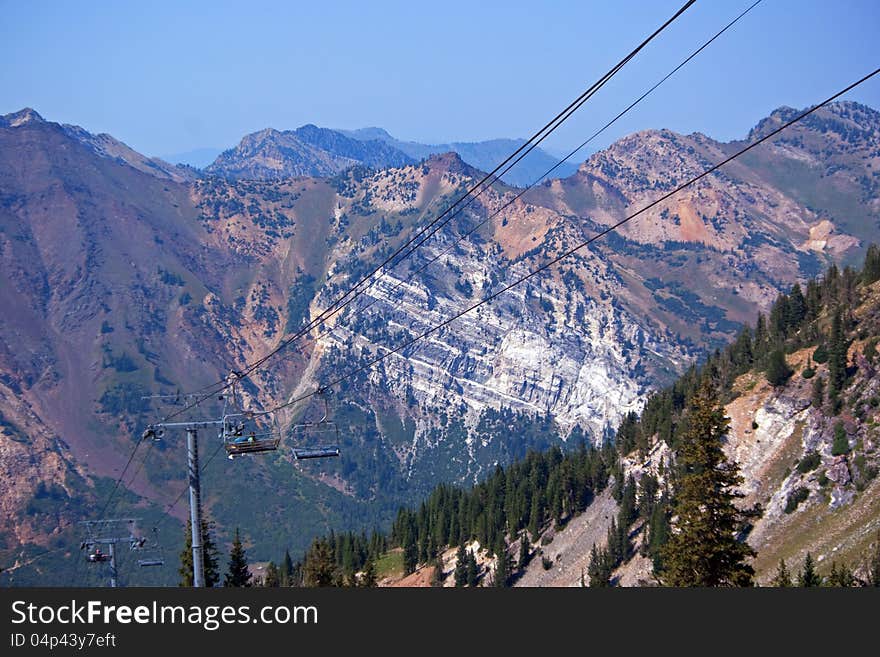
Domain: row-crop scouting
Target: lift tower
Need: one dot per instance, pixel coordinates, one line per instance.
(155, 431)
(102, 532)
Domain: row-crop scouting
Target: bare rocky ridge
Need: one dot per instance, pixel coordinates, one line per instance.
(130, 280)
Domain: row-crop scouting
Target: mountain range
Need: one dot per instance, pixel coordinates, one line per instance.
(130, 277)
(312, 151)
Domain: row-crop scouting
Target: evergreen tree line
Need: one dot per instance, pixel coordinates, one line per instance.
(839, 574)
(512, 503)
(237, 573)
(820, 315)
(695, 532)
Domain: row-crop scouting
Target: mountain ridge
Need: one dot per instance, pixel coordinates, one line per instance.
(135, 284)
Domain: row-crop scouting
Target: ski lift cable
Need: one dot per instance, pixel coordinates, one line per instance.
(511, 201)
(389, 351)
(488, 179)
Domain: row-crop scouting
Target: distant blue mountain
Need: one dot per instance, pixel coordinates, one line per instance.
(483, 155)
(312, 151)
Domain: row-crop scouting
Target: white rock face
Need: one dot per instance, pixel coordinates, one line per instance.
(524, 350)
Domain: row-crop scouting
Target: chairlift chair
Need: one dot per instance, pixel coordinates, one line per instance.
(96, 556)
(152, 552)
(246, 436)
(316, 439)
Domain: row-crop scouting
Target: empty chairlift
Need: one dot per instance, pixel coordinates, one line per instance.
(316, 439)
(150, 551)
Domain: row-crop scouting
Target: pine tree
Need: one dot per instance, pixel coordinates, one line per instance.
(472, 572)
(782, 579)
(368, 579)
(410, 550)
(503, 567)
(841, 442)
(818, 392)
(778, 371)
(627, 514)
(658, 534)
(703, 549)
(871, 268)
(840, 576)
(797, 307)
(536, 515)
(437, 575)
(320, 565)
(836, 360)
(286, 571)
(210, 556)
(461, 566)
(524, 551)
(808, 576)
(599, 569)
(237, 574)
(273, 576)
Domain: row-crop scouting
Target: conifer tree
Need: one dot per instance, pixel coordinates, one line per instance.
(286, 570)
(797, 307)
(237, 574)
(840, 576)
(841, 442)
(836, 360)
(368, 579)
(472, 572)
(658, 534)
(273, 576)
(627, 514)
(782, 579)
(410, 550)
(818, 392)
(778, 372)
(524, 551)
(437, 575)
(808, 576)
(703, 549)
(503, 567)
(461, 566)
(210, 556)
(319, 568)
(536, 515)
(871, 268)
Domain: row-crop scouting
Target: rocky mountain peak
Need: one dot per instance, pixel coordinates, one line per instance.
(846, 120)
(21, 117)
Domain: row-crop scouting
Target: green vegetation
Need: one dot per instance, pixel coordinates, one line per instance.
(210, 556)
(778, 372)
(521, 501)
(238, 574)
(809, 463)
(794, 499)
(703, 549)
(841, 442)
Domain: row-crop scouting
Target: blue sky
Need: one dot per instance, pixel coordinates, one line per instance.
(168, 77)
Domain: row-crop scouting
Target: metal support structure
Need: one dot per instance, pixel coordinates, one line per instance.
(155, 431)
(95, 540)
(195, 498)
(113, 564)
(195, 506)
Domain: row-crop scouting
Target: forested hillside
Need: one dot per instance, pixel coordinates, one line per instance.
(820, 339)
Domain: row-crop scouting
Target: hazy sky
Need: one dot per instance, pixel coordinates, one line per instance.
(167, 77)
